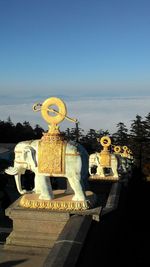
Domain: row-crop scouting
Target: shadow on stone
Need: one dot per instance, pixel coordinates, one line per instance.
(12, 263)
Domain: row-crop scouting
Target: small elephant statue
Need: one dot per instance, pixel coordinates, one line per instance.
(95, 162)
(76, 169)
(125, 160)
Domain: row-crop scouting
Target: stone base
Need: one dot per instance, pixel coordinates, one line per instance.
(61, 202)
(35, 230)
(103, 178)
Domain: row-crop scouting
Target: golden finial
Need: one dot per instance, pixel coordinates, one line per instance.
(117, 149)
(53, 111)
(105, 154)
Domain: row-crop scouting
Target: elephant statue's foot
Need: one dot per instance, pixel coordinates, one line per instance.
(34, 190)
(116, 177)
(22, 192)
(78, 198)
(61, 201)
(46, 197)
(30, 192)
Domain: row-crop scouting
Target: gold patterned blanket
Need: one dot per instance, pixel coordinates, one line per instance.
(105, 159)
(51, 156)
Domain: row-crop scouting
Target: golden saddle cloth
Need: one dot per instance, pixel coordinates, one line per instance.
(105, 159)
(51, 156)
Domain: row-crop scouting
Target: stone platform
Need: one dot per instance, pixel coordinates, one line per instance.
(34, 231)
(37, 223)
(67, 246)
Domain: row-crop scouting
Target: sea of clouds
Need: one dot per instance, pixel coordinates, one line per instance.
(92, 113)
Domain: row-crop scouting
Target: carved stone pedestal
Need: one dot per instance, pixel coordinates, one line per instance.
(36, 227)
(34, 230)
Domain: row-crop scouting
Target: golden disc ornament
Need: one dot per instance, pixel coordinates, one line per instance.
(105, 141)
(125, 148)
(47, 107)
(117, 149)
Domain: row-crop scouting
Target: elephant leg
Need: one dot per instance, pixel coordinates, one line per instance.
(100, 171)
(77, 188)
(114, 167)
(37, 185)
(115, 172)
(44, 185)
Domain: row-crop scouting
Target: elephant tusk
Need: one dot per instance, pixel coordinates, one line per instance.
(11, 171)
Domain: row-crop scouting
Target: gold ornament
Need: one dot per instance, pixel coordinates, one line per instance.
(51, 154)
(117, 149)
(59, 115)
(51, 115)
(61, 202)
(104, 156)
(125, 151)
(52, 146)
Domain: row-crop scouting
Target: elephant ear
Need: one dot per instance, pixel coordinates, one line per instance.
(30, 155)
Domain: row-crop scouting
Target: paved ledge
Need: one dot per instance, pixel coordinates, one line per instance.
(10, 259)
(67, 248)
(113, 198)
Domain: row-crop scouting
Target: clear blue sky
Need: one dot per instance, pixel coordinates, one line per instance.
(74, 48)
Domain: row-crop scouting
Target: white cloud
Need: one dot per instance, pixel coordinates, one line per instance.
(105, 113)
(96, 113)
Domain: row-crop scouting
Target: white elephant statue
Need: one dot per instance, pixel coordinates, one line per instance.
(95, 162)
(76, 169)
(128, 164)
(125, 160)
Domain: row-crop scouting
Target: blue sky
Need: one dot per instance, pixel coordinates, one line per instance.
(79, 50)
